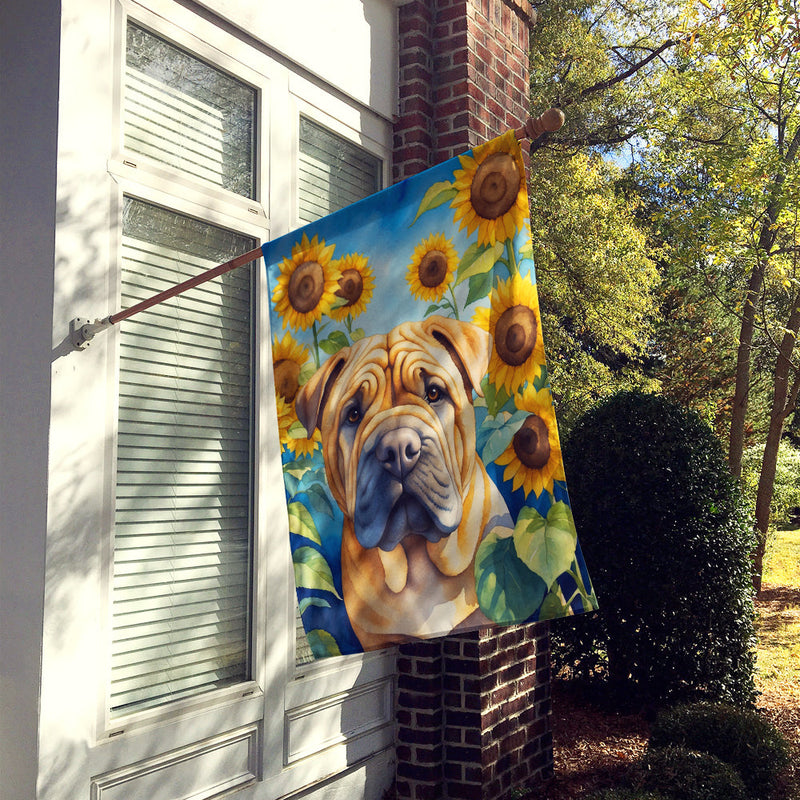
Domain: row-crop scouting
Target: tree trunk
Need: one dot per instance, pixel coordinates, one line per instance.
(742, 388)
(784, 399)
(766, 240)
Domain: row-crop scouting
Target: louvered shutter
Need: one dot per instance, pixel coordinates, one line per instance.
(332, 173)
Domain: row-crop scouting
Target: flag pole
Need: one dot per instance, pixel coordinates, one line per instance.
(82, 331)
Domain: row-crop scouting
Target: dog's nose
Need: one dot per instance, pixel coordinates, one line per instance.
(398, 451)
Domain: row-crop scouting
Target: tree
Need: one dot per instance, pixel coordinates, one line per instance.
(597, 279)
(727, 148)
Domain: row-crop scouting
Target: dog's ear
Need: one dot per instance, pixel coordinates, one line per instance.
(312, 396)
(468, 345)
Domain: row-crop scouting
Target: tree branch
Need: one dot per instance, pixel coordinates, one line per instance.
(601, 86)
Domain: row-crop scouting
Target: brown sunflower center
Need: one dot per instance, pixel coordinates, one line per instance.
(287, 378)
(495, 186)
(306, 286)
(433, 268)
(515, 335)
(351, 285)
(532, 443)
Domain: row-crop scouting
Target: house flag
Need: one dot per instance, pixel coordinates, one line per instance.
(421, 461)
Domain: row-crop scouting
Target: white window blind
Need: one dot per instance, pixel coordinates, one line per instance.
(182, 543)
(332, 173)
(184, 113)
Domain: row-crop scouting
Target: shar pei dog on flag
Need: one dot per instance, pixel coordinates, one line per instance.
(397, 424)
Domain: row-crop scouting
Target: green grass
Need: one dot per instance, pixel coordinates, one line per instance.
(782, 559)
(779, 617)
(778, 648)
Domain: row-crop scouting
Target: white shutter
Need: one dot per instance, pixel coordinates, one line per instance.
(186, 114)
(182, 542)
(332, 173)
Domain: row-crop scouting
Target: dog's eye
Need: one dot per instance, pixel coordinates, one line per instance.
(434, 393)
(353, 415)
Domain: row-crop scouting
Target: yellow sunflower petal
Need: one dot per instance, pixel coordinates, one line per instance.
(307, 283)
(516, 329)
(533, 458)
(355, 286)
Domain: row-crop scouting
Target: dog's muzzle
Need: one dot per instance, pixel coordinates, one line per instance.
(404, 485)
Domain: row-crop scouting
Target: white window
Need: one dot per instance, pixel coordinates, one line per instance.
(183, 526)
(333, 172)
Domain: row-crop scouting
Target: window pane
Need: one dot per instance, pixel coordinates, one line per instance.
(333, 172)
(185, 113)
(182, 542)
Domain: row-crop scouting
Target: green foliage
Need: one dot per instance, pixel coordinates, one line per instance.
(595, 277)
(786, 490)
(624, 793)
(517, 570)
(596, 273)
(667, 540)
(741, 738)
(683, 774)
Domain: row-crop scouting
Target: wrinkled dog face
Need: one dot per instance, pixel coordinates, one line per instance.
(398, 428)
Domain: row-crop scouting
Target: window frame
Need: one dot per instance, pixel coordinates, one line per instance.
(138, 177)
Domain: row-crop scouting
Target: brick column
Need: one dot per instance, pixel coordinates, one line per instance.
(473, 711)
(473, 714)
(463, 77)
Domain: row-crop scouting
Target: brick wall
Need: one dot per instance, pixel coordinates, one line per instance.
(463, 77)
(473, 711)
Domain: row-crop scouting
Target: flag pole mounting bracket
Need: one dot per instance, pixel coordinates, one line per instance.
(82, 330)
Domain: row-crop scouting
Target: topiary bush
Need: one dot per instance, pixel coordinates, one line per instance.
(741, 738)
(667, 540)
(683, 774)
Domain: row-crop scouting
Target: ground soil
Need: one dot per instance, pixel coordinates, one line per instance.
(594, 747)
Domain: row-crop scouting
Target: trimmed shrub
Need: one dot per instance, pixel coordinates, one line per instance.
(683, 774)
(741, 738)
(667, 541)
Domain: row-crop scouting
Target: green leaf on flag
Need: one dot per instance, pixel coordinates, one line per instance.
(507, 590)
(334, 343)
(553, 606)
(496, 397)
(322, 643)
(546, 546)
(319, 499)
(478, 259)
(301, 522)
(479, 286)
(306, 371)
(437, 194)
(311, 570)
(306, 602)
